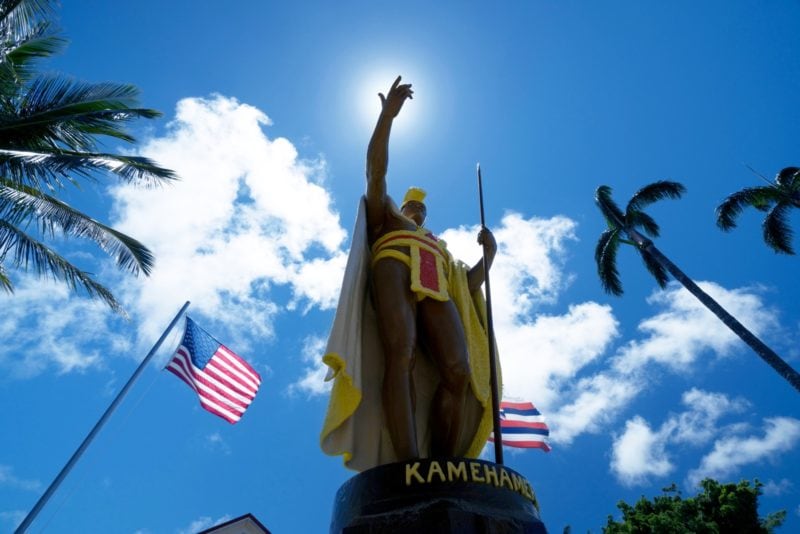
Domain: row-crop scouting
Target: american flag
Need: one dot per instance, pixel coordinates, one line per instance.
(225, 383)
(522, 426)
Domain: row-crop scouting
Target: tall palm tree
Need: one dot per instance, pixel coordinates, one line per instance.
(776, 199)
(50, 132)
(625, 227)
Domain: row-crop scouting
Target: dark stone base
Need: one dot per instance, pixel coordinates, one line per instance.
(440, 495)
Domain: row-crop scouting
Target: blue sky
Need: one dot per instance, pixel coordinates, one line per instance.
(268, 109)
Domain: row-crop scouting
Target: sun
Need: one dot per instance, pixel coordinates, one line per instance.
(378, 80)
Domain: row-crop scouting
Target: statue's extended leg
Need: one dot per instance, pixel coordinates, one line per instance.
(443, 335)
(396, 311)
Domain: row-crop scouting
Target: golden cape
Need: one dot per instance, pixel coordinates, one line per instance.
(354, 425)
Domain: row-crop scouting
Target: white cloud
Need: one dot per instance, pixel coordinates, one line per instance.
(685, 329)
(43, 326)
(247, 215)
(8, 478)
(312, 281)
(203, 523)
(674, 337)
(698, 425)
(593, 403)
(312, 383)
(544, 356)
(249, 232)
(775, 489)
(639, 452)
(528, 268)
(734, 451)
(541, 355)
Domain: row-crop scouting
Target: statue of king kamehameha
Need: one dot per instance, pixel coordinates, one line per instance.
(408, 352)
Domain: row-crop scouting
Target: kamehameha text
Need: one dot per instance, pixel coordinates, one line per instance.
(467, 471)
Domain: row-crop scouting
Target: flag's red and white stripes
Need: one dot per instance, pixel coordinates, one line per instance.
(226, 386)
(522, 426)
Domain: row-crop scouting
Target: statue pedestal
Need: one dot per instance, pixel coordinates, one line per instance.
(458, 495)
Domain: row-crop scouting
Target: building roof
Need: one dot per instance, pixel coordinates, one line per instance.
(246, 524)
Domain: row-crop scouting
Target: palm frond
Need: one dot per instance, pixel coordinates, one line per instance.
(654, 192)
(639, 219)
(19, 16)
(605, 255)
(29, 254)
(17, 62)
(776, 229)
(50, 170)
(5, 281)
(788, 176)
(22, 203)
(62, 112)
(655, 268)
(759, 198)
(610, 210)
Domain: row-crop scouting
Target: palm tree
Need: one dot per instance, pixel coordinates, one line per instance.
(50, 128)
(776, 199)
(628, 225)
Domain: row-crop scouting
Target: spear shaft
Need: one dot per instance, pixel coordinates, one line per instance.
(498, 436)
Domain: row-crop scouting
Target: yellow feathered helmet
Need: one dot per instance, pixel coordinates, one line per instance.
(416, 194)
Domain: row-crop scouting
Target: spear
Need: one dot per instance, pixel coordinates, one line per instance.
(498, 437)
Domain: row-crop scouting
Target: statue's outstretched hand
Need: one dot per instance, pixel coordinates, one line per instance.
(395, 98)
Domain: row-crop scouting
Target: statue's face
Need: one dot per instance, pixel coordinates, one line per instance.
(415, 211)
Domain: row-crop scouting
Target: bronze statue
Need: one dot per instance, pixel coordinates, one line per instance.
(418, 300)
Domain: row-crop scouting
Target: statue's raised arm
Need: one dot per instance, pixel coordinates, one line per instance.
(378, 154)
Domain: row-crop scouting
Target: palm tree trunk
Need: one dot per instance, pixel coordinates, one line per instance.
(764, 352)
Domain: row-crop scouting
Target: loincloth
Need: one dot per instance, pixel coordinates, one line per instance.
(428, 261)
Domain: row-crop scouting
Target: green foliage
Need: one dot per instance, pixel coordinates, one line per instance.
(634, 221)
(630, 223)
(720, 508)
(51, 127)
(775, 199)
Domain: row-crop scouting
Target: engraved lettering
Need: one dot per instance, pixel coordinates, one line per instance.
(412, 470)
(456, 471)
(434, 467)
(491, 473)
(518, 483)
(475, 471)
(504, 478)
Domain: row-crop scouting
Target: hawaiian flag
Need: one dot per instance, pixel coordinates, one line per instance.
(225, 383)
(522, 426)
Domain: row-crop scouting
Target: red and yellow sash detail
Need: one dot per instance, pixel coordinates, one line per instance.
(428, 260)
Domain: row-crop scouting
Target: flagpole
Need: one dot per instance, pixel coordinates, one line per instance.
(23, 527)
(498, 435)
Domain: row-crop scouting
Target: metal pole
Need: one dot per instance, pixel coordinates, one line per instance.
(498, 435)
(23, 527)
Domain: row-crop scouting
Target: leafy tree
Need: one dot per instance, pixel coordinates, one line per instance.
(629, 224)
(776, 199)
(728, 508)
(50, 130)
